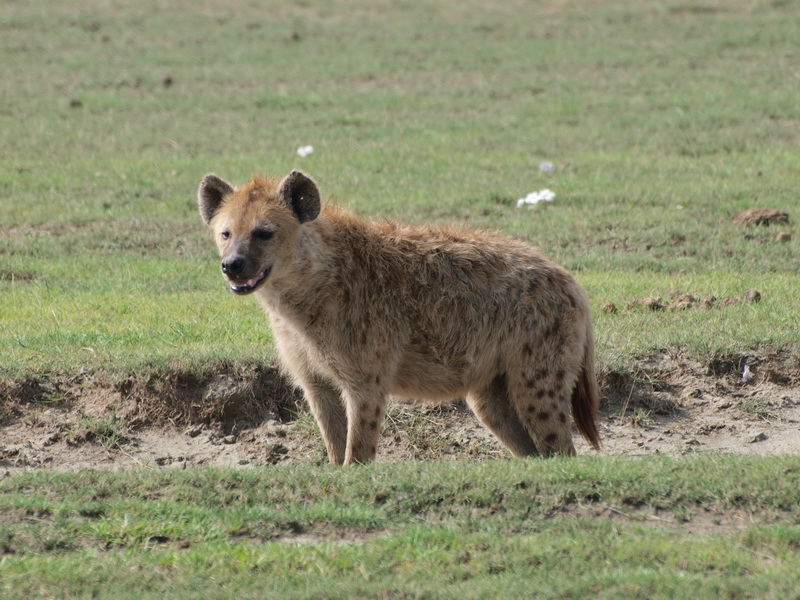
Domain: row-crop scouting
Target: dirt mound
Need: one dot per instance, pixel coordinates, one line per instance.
(761, 216)
(226, 397)
(740, 404)
(176, 398)
(681, 301)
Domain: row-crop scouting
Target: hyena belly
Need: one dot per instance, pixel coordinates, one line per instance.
(514, 344)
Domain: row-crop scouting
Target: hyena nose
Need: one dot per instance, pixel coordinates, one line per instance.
(233, 266)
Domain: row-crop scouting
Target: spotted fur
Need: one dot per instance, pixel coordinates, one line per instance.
(362, 310)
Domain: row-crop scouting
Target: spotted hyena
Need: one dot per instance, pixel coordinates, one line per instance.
(363, 309)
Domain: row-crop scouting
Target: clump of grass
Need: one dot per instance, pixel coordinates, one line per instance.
(7, 533)
(757, 408)
(109, 431)
(423, 428)
(641, 417)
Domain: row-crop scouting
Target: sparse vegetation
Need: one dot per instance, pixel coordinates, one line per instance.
(108, 431)
(758, 408)
(641, 417)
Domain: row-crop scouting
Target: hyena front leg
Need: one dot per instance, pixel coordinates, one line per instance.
(325, 402)
(365, 412)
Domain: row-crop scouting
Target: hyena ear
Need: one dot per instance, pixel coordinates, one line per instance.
(211, 195)
(300, 193)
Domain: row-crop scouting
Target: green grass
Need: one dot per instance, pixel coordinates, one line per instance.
(717, 526)
(109, 431)
(664, 121)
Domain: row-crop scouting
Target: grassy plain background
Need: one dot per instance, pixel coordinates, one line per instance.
(664, 120)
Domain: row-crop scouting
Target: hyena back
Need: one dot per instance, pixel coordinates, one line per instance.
(362, 310)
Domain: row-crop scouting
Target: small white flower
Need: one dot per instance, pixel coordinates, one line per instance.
(304, 151)
(547, 167)
(547, 195)
(536, 197)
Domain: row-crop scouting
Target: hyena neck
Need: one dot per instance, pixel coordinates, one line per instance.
(299, 292)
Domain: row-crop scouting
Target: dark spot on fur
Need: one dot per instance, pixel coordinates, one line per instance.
(559, 377)
(529, 383)
(377, 380)
(540, 393)
(532, 287)
(551, 438)
(528, 350)
(562, 417)
(499, 385)
(541, 373)
(554, 329)
(312, 320)
(543, 416)
(531, 408)
(377, 411)
(373, 424)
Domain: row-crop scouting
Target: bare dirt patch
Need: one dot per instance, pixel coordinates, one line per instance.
(671, 405)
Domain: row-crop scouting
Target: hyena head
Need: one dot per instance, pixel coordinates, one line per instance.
(256, 226)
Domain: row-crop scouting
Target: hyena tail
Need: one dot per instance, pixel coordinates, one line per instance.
(586, 397)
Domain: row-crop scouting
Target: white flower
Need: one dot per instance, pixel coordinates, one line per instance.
(304, 151)
(536, 197)
(547, 167)
(547, 195)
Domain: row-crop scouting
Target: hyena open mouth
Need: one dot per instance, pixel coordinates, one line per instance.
(248, 286)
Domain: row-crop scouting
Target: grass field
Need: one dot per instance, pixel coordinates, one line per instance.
(663, 119)
(591, 527)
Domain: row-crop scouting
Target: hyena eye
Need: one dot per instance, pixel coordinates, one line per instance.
(263, 234)
(225, 235)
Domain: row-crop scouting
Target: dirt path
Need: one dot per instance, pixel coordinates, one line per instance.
(674, 407)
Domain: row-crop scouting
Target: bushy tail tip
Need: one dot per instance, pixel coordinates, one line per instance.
(586, 399)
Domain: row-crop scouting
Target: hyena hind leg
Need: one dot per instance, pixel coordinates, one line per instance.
(493, 408)
(544, 409)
